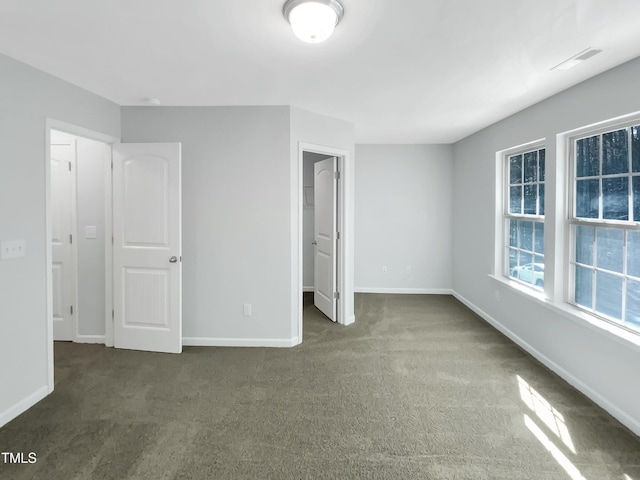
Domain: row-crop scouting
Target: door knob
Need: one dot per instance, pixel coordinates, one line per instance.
(314, 243)
(173, 259)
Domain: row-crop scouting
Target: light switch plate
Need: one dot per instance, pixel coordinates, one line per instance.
(12, 249)
(90, 232)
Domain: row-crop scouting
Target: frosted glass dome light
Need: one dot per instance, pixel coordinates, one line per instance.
(313, 21)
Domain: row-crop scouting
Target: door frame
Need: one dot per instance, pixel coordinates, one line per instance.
(53, 124)
(345, 223)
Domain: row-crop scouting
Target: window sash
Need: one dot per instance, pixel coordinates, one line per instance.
(630, 174)
(594, 270)
(519, 250)
(522, 184)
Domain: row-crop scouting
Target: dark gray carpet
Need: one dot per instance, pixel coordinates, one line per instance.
(418, 388)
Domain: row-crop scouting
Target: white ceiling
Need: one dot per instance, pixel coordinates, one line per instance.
(404, 71)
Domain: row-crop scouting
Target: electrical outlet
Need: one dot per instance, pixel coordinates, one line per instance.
(246, 309)
(384, 269)
(12, 249)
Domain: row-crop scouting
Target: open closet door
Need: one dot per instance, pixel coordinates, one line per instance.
(325, 226)
(147, 248)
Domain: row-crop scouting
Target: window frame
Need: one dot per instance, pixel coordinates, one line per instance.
(573, 221)
(506, 217)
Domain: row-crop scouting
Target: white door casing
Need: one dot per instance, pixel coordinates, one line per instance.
(147, 247)
(63, 272)
(325, 235)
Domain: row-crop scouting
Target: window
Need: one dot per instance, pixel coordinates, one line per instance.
(524, 215)
(605, 225)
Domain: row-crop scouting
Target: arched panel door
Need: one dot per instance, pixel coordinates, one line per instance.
(147, 249)
(325, 229)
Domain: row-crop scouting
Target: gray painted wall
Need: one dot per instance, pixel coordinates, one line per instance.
(598, 364)
(27, 98)
(236, 215)
(404, 203)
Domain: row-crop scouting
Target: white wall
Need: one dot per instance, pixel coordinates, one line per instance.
(28, 97)
(236, 218)
(404, 200)
(602, 367)
(308, 218)
(91, 159)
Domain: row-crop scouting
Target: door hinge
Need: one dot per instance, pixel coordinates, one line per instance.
(112, 241)
(337, 235)
(336, 295)
(69, 166)
(71, 309)
(70, 238)
(336, 175)
(113, 315)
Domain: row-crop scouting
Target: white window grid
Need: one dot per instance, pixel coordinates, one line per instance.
(632, 224)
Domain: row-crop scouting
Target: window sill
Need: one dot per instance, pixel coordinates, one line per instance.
(604, 328)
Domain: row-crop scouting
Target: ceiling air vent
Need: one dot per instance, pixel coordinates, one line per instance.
(576, 59)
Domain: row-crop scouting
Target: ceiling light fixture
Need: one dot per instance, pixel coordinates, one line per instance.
(313, 21)
(577, 58)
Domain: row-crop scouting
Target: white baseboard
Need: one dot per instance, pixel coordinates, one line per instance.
(23, 405)
(239, 342)
(101, 339)
(308, 289)
(407, 291)
(618, 413)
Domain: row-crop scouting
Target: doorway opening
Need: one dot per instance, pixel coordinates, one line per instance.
(322, 234)
(319, 250)
(80, 186)
(78, 236)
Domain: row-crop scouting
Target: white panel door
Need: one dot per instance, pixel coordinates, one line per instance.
(325, 227)
(63, 268)
(147, 248)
